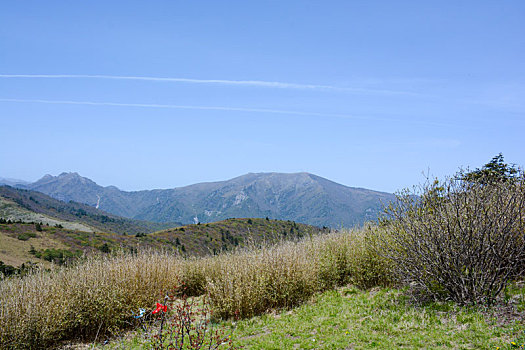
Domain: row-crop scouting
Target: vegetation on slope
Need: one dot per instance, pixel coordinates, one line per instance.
(105, 291)
(41, 243)
(13, 212)
(353, 318)
(212, 238)
(98, 220)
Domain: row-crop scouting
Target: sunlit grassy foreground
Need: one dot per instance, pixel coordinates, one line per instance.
(380, 318)
(98, 295)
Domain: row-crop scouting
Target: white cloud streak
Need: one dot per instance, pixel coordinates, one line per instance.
(170, 106)
(252, 83)
(216, 108)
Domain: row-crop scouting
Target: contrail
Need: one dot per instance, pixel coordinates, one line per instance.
(215, 108)
(254, 83)
(170, 106)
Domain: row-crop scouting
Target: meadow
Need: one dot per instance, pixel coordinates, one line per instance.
(333, 288)
(443, 269)
(99, 294)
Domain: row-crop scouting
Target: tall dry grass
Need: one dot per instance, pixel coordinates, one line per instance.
(252, 282)
(99, 294)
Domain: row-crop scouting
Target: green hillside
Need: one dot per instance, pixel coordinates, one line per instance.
(32, 206)
(211, 238)
(25, 242)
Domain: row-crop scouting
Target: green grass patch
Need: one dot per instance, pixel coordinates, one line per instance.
(350, 318)
(26, 235)
(381, 318)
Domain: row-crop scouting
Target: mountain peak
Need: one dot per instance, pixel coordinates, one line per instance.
(69, 174)
(62, 179)
(49, 177)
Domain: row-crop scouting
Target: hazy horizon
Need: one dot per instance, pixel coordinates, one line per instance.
(22, 181)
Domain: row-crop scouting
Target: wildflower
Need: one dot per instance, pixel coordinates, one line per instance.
(159, 308)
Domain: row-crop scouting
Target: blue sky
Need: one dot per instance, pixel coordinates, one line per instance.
(365, 93)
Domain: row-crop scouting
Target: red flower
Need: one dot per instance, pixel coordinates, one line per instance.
(159, 308)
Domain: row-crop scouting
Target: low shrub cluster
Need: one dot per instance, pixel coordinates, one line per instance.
(185, 323)
(58, 256)
(26, 235)
(22, 270)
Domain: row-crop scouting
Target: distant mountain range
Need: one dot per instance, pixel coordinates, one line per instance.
(301, 197)
(33, 224)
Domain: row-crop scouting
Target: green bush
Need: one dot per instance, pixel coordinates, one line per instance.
(26, 235)
(58, 256)
(6, 270)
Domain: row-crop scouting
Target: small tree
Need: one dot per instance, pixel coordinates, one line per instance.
(493, 172)
(105, 248)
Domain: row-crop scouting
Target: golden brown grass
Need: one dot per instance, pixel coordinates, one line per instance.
(15, 252)
(251, 282)
(99, 294)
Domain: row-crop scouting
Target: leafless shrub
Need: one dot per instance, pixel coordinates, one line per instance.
(460, 239)
(185, 323)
